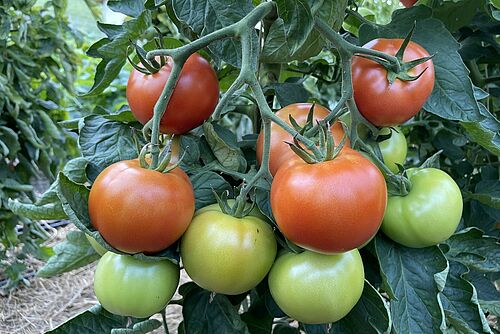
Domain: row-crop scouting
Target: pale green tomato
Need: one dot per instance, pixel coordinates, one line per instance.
(315, 288)
(394, 148)
(225, 254)
(429, 214)
(127, 286)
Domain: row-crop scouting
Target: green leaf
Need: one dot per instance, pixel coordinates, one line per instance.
(93, 321)
(458, 14)
(370, 315)
(488, 193)
(277, 47)
(207, 313)
(132, 8)
(206, 16)
(74, 198)
(72, 253)
(103, 142)
(290, 92)
(37, 212)
(486, 132)
(460, 303)
(471, 248)
(453, 94)
(225, 147)
(492, 307)
(297, 22)
(48, 206)
(114, 52)
(413, 279)
(204, 184)
(141, 327)
(189, 147)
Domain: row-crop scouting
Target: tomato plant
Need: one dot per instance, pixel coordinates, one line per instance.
(131, 287)
(193, 99)
(140, 210)
(348, 182)
(325, 287)
(280, 152)
(321, 198)
(226, 254)
(429, 214)
(394, 148)
(387, 103)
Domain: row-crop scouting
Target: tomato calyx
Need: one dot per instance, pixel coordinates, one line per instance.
(165, 157)
(148, 66)
(401, 69)
(327, 149)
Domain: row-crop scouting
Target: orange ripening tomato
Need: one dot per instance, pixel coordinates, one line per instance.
(193, 100)
(332, 206)
(383, 103)
(140, 210)
(280, 152)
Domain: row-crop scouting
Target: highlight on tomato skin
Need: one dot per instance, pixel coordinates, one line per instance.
(140, 210)
(317, 206)
(280, 152)
(389, 104)
(193, 100)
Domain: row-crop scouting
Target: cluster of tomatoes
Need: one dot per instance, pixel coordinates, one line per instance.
(329, 208)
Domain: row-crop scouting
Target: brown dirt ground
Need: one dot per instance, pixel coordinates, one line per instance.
(48, 302)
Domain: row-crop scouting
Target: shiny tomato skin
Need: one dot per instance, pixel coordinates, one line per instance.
(140, 210)
(127, 286)
(429, 214)
(383, 103)
(316, 288)
(394, 148)
(192, 102)
(408, 3)
(225, 254)
(332, 206)
(280, 151)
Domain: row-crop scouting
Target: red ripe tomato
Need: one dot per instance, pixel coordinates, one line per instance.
(408, 3)
(140, 210)
(383, 103)
(192, 102)
(331, 206)
(280, 152)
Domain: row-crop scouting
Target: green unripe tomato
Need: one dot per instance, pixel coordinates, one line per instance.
(429, 214)
(394, 148)
(130, 287)
(315, 288)
(95, 245)
(225, 254)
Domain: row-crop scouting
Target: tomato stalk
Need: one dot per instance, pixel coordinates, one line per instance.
(179, 57)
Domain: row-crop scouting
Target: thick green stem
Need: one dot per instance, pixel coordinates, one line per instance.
(160, 108)
(342, 45)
